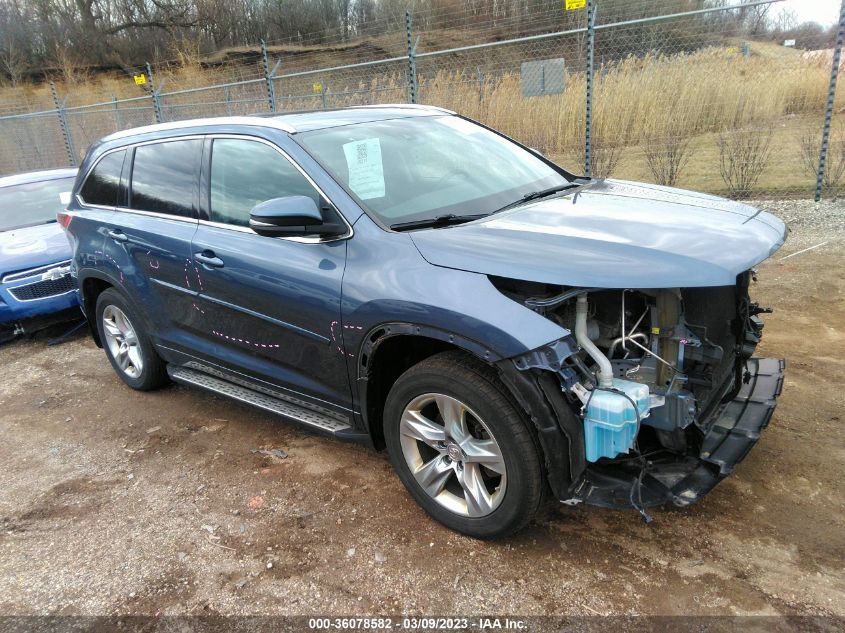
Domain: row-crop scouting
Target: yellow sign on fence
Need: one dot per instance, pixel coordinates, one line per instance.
(571, 5)
(140, 80)
(317, 87)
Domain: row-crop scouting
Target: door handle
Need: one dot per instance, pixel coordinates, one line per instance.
(118, 236)
(208, 258)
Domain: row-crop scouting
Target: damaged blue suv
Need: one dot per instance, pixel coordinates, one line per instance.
(407, 278)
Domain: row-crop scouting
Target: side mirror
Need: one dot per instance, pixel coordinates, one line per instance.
(290, 216)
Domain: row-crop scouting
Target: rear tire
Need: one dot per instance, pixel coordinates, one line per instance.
(127, 346)
(461, 447)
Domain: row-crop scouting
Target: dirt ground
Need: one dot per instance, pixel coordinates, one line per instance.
(117, 502)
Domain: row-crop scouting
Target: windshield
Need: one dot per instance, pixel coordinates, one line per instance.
(410, 169)
(32, 203)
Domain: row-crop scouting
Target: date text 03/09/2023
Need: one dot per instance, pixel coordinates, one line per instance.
(418, 623)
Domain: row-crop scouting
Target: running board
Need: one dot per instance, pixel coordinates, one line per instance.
(264, 401)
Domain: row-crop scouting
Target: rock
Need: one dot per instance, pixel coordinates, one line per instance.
(271, 452)
(154, 429)
(379, 557)
(350, 552)
(269, 564)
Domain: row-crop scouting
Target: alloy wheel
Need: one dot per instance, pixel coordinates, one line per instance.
(453, 455)
(122, 341)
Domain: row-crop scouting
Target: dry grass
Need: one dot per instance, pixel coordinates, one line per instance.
(686, 100)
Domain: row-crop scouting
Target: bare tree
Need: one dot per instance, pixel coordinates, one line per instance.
(834, 165)
(13, 62)
(743, 156)
(667, 157)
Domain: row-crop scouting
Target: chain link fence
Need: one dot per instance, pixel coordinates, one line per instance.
(690, 99)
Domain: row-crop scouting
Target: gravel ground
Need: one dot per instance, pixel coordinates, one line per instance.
(116, 502)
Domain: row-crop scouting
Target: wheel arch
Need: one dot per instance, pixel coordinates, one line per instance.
(91, 285)
(390, 349)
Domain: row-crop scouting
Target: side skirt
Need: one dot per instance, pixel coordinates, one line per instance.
(222, 383)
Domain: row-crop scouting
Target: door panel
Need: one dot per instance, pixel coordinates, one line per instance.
(151, 257)
(148, 242)
(270, 307)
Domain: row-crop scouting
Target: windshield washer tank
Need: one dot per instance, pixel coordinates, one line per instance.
(610, 421)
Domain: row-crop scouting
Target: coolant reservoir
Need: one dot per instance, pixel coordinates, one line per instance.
(610, 421)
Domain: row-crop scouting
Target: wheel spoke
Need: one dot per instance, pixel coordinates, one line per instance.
(122, 358)
(479, 501)
(111, 327)
(134, 355)
(414, 424)
(130, 337)
(433, 475)
(121, 323)
(454, 417)
(484, 452)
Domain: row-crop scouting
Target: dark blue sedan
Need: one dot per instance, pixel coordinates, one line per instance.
(35, 255)
(404, 277)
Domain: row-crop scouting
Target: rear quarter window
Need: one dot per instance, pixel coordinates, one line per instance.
(102, 186)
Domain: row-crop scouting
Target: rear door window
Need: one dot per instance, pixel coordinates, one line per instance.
(164, 177)
(102, 186)
(246, 173)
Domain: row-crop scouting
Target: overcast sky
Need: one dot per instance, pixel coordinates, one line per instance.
(821, 11)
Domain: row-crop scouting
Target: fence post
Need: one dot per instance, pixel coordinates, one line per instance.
(323, 92)
(412, 61)
(588, 123)
(117, 122)
(154, 94)
(60, 111)
(831, 95)
(269, 75)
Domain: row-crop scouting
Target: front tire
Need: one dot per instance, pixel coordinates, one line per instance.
(127, 346)
(461, 447)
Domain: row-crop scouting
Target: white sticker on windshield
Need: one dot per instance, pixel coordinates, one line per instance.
(366, 172)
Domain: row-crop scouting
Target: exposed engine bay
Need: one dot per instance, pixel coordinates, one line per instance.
(663, 381)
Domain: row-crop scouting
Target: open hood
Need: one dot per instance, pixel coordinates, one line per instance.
(615, 234)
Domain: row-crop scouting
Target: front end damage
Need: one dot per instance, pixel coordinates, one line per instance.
(654, 397)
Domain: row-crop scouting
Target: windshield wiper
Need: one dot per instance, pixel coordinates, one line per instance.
(441, 220)
(545, 193)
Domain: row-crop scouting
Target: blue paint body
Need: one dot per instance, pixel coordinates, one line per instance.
(297, 315)
(34, 248)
